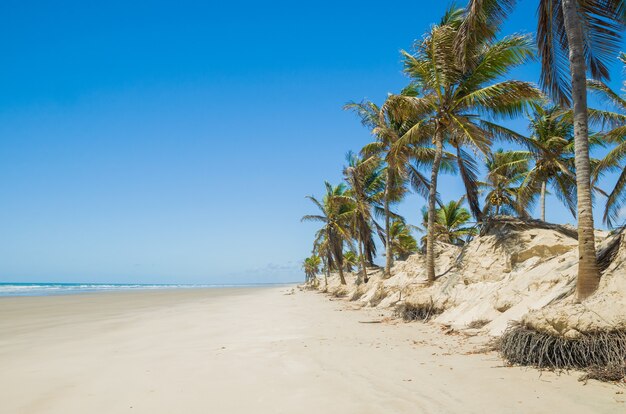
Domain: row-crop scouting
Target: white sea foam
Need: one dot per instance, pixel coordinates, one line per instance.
(44, 289)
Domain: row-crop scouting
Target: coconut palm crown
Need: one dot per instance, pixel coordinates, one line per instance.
(452, 224)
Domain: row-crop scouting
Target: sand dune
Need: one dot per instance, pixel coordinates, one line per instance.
(257, 351)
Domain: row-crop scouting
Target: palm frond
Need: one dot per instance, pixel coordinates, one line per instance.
(603, 23)
(504, 99)
(481, 22)
(614, 204)
(553, 51)
(468, 169)
(606, 93)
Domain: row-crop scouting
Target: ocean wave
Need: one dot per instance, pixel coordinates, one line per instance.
(45, 289)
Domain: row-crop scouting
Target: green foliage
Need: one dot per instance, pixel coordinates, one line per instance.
(311, 266)
(350, 260)
(614, 159)
(451, 223)
(403, 162)
(336, 211)
(551, 146)
(365, 180)
(506, 170)
(403, 244)
(458, 94)
(461, 99)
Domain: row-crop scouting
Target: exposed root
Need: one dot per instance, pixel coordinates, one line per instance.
(478, 323)
(339, 292)
(504, 307)
(378, 296)
(417, 311)
(601, 354)
(358, 293)
(309, 286)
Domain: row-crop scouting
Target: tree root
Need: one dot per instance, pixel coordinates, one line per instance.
(601, 354)
(417, 311)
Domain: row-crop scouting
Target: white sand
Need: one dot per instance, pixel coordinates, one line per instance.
(256, 351)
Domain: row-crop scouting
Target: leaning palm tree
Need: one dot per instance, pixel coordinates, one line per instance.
(321, 248)
(458, 103)
(402, 163)
(589, 33)
(452, 224)
(506, 171)
(364, 177)
(614, 159)
(336, 211)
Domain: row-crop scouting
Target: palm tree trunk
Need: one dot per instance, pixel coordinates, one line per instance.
(339, 263)
(497, 209)
(588, 272)
(341, 276)
(363, 264)
(543, 201)
(326, 273)
(432, 199)
(388, 254)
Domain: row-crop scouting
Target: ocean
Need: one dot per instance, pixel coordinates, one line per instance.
(46, 289)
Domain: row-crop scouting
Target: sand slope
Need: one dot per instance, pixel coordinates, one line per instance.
(514, 271)
(256, 351)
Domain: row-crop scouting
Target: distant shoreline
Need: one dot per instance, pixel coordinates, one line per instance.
(26, 289)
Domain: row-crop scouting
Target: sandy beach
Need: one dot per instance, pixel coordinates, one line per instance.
(257, 350)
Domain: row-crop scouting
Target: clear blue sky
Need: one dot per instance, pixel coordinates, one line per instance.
(174, 142)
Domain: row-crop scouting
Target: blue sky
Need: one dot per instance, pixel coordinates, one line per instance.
(174, 142)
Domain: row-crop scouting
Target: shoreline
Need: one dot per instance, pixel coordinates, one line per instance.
(264, 350)
(35, 289)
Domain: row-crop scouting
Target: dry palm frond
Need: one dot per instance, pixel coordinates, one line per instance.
(512, 223)
(607, 254)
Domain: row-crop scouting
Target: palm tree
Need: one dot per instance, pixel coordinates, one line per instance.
(350, 260)
(451, 225)
(456, 102)
(551, 145)
(614, 159)
(366, 183)
(336, 211)
(506, 171)
(398, 167)
(589, 33)
(321, 247)
(403, 244)
(311, 266)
